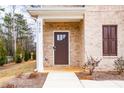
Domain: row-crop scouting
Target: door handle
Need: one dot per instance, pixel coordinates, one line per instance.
(54, 47)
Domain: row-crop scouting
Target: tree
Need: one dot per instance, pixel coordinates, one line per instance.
(13, 29)
(8, 33)
(22, 30)
(2, 9)
(24, 36)
(1, 31)
(16, 33)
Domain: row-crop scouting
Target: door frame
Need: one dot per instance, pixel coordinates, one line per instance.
(68, 47)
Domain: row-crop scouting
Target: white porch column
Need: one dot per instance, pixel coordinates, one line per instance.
(39, 45)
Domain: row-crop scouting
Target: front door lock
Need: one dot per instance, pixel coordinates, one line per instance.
(54, 47)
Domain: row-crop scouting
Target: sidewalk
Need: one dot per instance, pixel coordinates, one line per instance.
(102, 84)
(62, 80)
(70, 80)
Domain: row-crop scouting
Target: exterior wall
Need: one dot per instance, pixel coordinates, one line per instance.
(76, 41)
(95, 17)
(82, 42)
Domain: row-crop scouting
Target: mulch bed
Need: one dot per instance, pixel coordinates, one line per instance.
(33, 80)
(100, 75)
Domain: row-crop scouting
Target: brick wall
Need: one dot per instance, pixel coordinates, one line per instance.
(86, 36)
(76, 41)
(95, 17)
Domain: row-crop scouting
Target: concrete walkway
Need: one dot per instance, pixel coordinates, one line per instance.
(62, 80)
(102, 84)
(70, 80)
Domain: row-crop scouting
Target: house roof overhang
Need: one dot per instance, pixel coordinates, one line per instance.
(57, 13)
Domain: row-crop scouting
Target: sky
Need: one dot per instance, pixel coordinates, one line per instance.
(19, 9)
(22, 10)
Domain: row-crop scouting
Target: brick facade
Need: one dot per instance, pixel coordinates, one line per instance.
(86, 36)
(75, 32)
(95, 17)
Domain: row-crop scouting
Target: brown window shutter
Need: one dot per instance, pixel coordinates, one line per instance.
(109, 40)
(113, 41)
(105, 41)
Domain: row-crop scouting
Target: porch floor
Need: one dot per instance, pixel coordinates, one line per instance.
(63, 69)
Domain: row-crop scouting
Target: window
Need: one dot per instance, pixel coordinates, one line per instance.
(109, 40)
(61, 37)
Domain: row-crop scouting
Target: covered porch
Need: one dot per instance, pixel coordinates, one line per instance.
(59, 21)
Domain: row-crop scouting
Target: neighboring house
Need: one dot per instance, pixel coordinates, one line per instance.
(66, 35)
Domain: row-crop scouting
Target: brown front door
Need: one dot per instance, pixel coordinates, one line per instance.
(61, 48)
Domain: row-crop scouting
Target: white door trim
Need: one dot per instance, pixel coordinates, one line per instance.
(68, 47)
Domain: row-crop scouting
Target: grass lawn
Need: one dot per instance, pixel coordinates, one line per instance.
(21, 76)
(11, 70)
(24, 67)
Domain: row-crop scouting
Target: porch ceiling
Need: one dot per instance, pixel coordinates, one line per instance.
(57, 13)
(62, 20)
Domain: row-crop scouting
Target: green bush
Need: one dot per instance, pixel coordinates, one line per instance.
(19, 56)
(3, 60)
(18, 59)
(27, 56)
(34, 56)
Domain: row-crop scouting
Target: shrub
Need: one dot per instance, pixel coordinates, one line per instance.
(3, 60)
(27, 56)
(119, 65)
(18, 59)
(91, 64)
(33, 75)
(34, 56)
